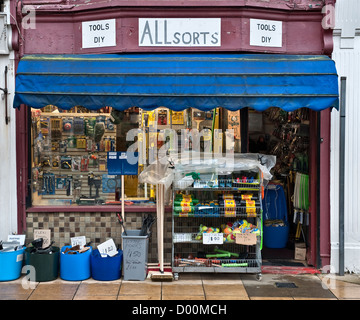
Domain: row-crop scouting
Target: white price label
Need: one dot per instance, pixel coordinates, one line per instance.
(81, 241)
(17, 237)
(107, 248)
(213, 238)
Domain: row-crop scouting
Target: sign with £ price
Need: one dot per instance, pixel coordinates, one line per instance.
(107, 248)
(213, 238)
(81, 241)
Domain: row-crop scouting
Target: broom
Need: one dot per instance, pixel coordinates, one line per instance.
(160, 275)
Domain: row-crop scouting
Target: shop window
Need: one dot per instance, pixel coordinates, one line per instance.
(69, 149)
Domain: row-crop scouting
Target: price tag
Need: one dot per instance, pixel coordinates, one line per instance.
(107, 248)
(17, 237)
(247, 239)
(81, 241)
(213, 238)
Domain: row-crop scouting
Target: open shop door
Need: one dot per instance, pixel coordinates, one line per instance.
(289, 227)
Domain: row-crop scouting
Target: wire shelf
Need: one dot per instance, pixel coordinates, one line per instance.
(183, 237)
(217, 211)
(217, 263)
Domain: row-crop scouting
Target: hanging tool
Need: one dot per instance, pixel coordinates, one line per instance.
(120, 219)
(198, 117)
(5, 91)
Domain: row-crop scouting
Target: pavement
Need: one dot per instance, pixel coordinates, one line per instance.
(192, 287)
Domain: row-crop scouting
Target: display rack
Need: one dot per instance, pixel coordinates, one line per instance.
(217, 222)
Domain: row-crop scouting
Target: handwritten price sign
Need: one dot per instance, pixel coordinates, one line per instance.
(107, 248)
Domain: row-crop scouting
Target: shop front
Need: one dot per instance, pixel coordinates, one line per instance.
(150, 79)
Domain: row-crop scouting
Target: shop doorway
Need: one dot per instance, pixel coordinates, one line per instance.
(289, 228)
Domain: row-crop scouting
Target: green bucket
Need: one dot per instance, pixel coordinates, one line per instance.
(46, 265)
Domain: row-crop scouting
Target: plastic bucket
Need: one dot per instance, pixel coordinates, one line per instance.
(11, 264)
(135, 255)
(75, 267)
(106, 268)
(276, 237)
(46, 265)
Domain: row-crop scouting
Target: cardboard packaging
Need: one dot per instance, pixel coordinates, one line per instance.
(300, 251)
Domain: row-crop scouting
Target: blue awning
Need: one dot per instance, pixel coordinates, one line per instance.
(177, 81)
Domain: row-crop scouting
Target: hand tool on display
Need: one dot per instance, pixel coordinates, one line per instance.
(97, 185)
(120, 219)
(223, 251)
(198, 117)
(9, 245)
(147, 224)
(37, 247)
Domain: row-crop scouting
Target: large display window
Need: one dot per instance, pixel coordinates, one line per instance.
(69, 149)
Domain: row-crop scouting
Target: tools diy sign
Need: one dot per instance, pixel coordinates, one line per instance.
(265, 33)
(101, 33)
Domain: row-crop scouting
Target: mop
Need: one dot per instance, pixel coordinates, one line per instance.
(160, 275)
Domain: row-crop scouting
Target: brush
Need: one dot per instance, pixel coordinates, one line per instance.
(198, 116)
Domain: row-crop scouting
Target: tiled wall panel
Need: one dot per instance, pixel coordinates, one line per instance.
(96, 227)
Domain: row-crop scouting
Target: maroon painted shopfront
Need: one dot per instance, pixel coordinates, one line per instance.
(59, 30)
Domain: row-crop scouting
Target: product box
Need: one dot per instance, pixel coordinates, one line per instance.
(300, 251)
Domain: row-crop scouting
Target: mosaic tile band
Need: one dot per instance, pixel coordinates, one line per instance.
(96, 227)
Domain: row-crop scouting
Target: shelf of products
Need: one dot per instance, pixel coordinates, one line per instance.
(217, 222)
(69, 157)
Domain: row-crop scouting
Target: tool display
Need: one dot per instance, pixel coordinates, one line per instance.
(148, 221)
(67, 143)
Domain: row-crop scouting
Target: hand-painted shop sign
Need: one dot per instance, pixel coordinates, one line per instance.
(180, 32)
(265, 33)
(100, 33)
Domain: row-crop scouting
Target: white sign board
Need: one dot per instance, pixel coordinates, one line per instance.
(180, 32)
(265, 33)
(17, 237)
(107, 248)
(81, 241)
(213, 238)
(101, 33)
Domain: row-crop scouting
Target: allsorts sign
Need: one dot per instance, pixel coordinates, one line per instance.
(179, 32)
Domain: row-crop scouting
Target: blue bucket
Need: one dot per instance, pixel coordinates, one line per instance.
(106, 268)
(75, 267)
(11, 264)
(276, 237)
(274, 208)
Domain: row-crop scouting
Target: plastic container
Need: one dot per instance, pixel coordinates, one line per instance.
(75, 267)
(274, 208)
(46, 265)
(276, 237)
(106, 268)
(135, 249)
(11, 264)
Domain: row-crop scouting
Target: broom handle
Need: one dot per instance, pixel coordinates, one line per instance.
(161, 193)
(122, 202)
(158, 220)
